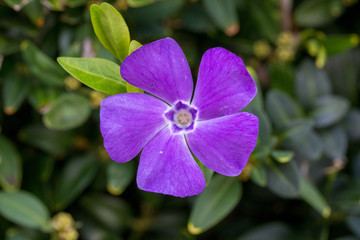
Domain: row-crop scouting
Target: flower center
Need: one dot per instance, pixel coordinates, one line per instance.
(181, 117)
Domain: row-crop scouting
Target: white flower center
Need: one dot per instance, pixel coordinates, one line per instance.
(183, 118)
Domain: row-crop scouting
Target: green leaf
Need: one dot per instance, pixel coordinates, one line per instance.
(10, 165)
(258, 175)
(217, 200)
(284, 179)
(311, 83)
(134, 45)
(282, 156)
(268, 231)
(15, 89)
(281, 77)
(100, 74)
(336, 44)
(347, 198)
(302, 139)
(41, 98)
(68, 111)
(119, 176)
(354, 222)
(24, 209)
(335, 142)
(313, 197)
(281, 108)
(42, 66)
(111, 29)
(139, 3)
(224, 15)
(352, 124)
(50, 141)
(316, 13)
(196, 19)
(111, 213)
(35, 12)
(74, 178)
(329, 110)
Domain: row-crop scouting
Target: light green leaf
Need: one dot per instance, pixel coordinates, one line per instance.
(134, 45)
(100, 74)
(312, 196)
(10, 165)
(282, 156)
(119, 176)
(111, 29)
(74, 178)
(68, 111)
(217, 200)
(24, 209)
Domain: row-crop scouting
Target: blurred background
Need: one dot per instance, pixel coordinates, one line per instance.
(301, 182)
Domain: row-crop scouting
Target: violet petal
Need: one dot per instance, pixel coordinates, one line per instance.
(167, 166)
(128, 121)
(224, 86)
(224, 144)
(161, 69)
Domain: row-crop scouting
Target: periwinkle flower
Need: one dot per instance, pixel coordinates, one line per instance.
(168, 123)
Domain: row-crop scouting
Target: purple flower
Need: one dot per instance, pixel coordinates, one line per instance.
(167, 124)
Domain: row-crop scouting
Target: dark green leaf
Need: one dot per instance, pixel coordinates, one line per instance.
(281, 109)
(281, 76)
(311, 83)
(196, 19)
(312, 196)
(10, 165)
(15, 90)
(50, 141)
(268, 231)
(352, 124)
(335, 142)
(354, 222)
(282, 156)
(316, 13)
(40, 98)
(25, 209)
(111, 29)
(328, 110)
(214, 203)
(284, 179)
(302, 139)
(74, 178)
(42, 66)
(119, 176)
(68, 111)
(336, 44)
(258, 175)
(99, 74)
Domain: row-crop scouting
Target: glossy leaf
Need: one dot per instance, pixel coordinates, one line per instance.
(328, 110)
(119, 176)
(111, 29)
(74, 178)
(42, 66)
(10, 165)
(24, 209)
(214, 203)
(312, 196)
(284, 179)
(311, 83)
(68, 111)
(14, 91)
(99, 74)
